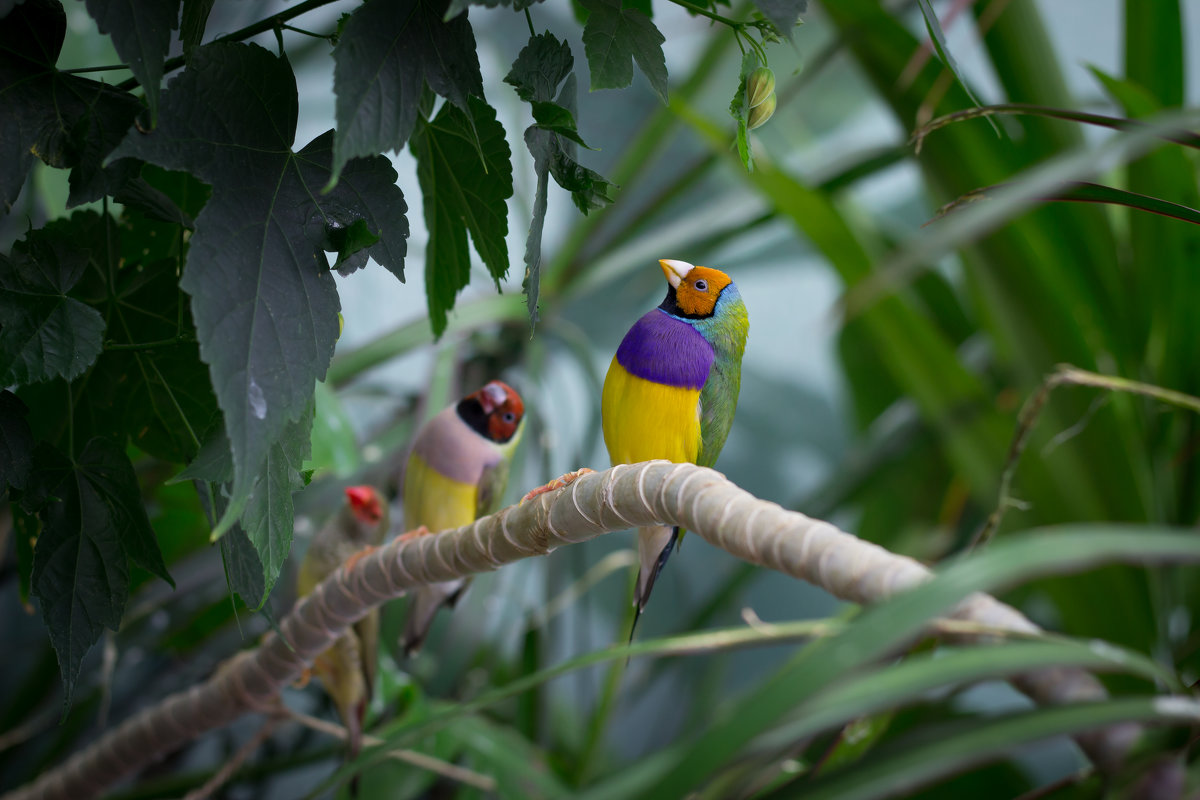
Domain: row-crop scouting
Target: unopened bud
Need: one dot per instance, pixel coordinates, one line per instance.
(761, 112)
(759, 86)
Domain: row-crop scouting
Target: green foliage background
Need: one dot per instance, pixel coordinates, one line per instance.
(176, 367)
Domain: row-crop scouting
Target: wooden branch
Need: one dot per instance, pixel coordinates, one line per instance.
(626, 496)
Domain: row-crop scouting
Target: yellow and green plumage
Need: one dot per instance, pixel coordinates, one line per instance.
(456, 473)
(347, 668)
(672, 387)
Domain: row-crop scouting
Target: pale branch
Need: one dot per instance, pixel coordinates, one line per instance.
(626, 496)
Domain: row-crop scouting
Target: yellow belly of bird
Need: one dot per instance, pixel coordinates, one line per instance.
(645, 420)
(435, 501)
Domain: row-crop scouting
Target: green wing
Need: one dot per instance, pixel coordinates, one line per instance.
(492, 484)
(718, 401)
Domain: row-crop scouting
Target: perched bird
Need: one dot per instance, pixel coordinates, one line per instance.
(347, 668)
(457, 473)
(672, 388)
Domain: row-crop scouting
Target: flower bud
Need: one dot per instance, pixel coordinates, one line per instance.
(760, 85)
(761, 112)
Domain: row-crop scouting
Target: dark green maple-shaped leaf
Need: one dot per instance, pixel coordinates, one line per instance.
(263, 538)
(350, 244)
(140, 31)
(166, 402)
(243, 568)
(739, 110)
(541, 66)
(93, 524)
(65, 120)
(462, 194)
(263, 299)
(269, 518)
(16, 443)
(45, 334)
(386, 53)
(783, 14)
(613, 38)
(191, 27)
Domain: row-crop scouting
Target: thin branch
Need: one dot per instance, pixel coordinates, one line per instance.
(650, 493)
(1028, 416)
(411, 757)
(262, 26)
(221, 776)
(704, 12)
(1116, 123)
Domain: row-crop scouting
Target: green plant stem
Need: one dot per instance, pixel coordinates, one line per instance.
(303, 32)
(86, 70)
(174, 340)
(704, 12)
(262, 26)
(605, 708)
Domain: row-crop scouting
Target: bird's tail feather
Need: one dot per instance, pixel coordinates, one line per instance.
(654, 548)
(425, 604)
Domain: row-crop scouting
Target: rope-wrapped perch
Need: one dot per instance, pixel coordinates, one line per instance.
(650, 493)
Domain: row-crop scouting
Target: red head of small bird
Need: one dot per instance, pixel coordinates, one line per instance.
(502, 408)
(366, 503)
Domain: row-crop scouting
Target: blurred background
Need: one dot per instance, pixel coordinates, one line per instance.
(891, 416)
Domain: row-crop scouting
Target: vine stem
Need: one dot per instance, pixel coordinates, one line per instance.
(704, 12)
(253, 29)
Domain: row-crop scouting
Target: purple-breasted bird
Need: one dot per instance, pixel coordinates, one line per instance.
(672, 388)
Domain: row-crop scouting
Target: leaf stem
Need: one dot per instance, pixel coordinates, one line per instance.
(529, 21)
(704, 12)
(262, 26)
(174, 340)
(303, 32)
(85, 70)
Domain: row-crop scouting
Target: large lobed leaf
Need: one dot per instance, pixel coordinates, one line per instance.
(44, 333)
(65, 120)
(16, 443)
(93, 523)
(541, 66)
(386, 53)
(141, 32)
(263, 300)
(460, 193)
(614, 37)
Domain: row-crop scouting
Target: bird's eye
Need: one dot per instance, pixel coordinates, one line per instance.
(701, 285)
(509, 417)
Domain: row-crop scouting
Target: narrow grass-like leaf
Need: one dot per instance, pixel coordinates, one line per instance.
(1024, 191)
(891, 772)
(938, 38)
(1085, 192)
(880, 630)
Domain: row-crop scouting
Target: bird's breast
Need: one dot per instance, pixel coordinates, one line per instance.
(644, 419)
(434, 500)
(666, 350)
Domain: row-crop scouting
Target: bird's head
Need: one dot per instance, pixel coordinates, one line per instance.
(693, 291)
(365, 503)
(502, 410)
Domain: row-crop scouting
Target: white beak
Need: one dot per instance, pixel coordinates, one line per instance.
(675, 271)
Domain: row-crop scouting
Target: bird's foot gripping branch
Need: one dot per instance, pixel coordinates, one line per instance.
(625, 496)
